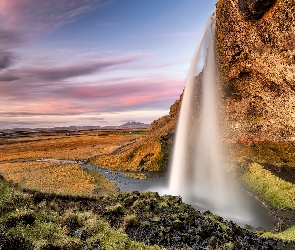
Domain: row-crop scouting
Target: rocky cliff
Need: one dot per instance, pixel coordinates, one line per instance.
(256, 53)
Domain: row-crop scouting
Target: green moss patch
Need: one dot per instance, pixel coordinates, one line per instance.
(287, 235)
(278, 192)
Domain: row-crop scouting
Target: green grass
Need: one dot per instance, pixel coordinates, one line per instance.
(287, 235)
(278, 192)
(28, 224)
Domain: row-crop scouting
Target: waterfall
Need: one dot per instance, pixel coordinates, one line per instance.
(197, 171)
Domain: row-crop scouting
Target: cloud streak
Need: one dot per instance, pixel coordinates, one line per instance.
(62, 73)
(68, 99)
(55, 75)
(6, 59)
(8, 77)
(9, 38)
(38, 16)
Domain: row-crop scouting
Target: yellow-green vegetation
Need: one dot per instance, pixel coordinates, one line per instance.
(278, 192)
(276, 153)
(287, 235)
(139, 156)
(150, 152)
(59, 178)
(140, 176)
(103, 185)
(34, 220)
(218, 220)
(27, 224)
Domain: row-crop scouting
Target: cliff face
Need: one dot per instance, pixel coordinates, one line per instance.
(256, 53)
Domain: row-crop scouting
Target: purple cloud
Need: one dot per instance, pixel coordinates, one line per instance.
(19, 99)
(8, 77)
(9, 38)
(6, 59)
(62, 73)
(38, 16)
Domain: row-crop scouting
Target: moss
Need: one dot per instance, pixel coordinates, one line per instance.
(228, 246)
(287, 235)
(118, 209)
(71, 220)
(131, 220)
(278, 192)
(21, 217)
(219, 221)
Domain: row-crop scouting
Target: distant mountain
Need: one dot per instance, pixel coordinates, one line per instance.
(24, 131)
(135, 125)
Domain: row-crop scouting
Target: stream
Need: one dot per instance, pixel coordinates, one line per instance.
(158, 182)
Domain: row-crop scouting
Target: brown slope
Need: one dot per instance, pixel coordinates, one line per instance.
(256, 57)
(150, 152)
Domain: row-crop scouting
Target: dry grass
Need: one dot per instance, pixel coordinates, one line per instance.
(18, 163)
(10, 168)
(140, 176)
(58, 178)
(77, 147)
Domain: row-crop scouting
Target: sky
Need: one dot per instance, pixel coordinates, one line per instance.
(95, 62)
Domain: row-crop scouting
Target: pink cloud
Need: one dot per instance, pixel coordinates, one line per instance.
(156, 87)
(122, 96)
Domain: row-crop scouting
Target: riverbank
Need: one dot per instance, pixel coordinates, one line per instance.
(130, 220)
(66, 177)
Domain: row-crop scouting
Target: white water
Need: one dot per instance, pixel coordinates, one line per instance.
(197, 168)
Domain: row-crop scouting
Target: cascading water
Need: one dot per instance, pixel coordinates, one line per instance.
(197, 169)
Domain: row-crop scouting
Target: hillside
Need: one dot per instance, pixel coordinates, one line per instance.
(150, 152)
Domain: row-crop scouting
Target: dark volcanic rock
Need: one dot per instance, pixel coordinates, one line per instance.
(255, 9)
(162, 220)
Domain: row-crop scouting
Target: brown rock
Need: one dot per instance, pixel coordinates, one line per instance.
(256, 49)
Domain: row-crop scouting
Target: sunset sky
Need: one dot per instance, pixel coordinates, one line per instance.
(95, 62)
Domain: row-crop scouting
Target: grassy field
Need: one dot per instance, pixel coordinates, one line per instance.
(60, 178)
(28, 222)
(287, 235)
(19, 163)
(74, 147)
(19, 160)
